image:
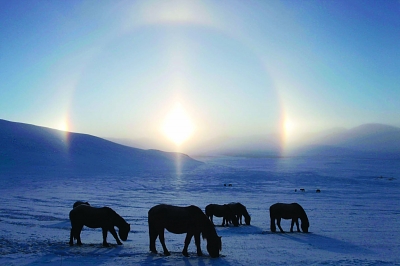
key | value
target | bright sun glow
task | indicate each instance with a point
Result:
(177, 125)
(289, 126)
(63, 126)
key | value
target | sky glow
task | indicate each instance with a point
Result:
(239, 68)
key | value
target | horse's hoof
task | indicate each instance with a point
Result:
(167, 253)
(199, 254)
(106, 245)
(185, 254)
(119, 243)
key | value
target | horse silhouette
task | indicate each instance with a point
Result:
(292, 211)
(104, 218)
(179, 220)
(77, 203)
(223, 211)
(240, 210)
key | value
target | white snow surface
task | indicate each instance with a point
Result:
(353, 221)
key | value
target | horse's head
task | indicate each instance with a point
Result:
(304, 226)
(124, 231)
(247, 220)
(214, 246)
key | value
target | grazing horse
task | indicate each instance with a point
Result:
(240, 210)
(92, 217)
(292, 211)
(179, 220)
(77, 203)
(223, 211)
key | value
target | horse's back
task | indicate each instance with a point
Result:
(285, 210)
(91, 216)
(171, 213)
(237, 207)
(209, 209)
(174, 218)
(77, 203)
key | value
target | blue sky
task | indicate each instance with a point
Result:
(237, 68)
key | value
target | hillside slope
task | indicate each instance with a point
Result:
(33, 149)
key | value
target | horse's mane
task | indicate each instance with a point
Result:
(245, 212)
(119, 219)
(303, 217)
(208, 229)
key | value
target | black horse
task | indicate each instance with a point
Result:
(223, 211)
(292, 211)
(240, 210)
(92, 217)
(77, 203)
(179, 220)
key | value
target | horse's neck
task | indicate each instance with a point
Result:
(119, 221)
(208, 229)
(303, 217)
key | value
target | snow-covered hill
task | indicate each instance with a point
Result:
(28, 148)
(368, 140)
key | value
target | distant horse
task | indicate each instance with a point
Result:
(223, 211)
(104, 218)
(292, 211)
(77, 203)
(179, 220)
(240, 210)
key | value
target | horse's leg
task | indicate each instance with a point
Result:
(187, 242)
(273, 226)
(223, 221)
(153, 234)
(162, 240)
(291, 225)
(197, 242)
(297, 224)
(114, 234)
(104, 230)
(71, 238)
(240, 218)
(77, 233)
(278, 222)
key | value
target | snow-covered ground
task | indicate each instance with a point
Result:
(353, 221)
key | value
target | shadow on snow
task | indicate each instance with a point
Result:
(325, 243)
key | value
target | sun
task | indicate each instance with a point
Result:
(63, 125)
(289, 126)
(177, 125)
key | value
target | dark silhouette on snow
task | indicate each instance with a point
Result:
(104, 218)
(179, 220)
(223, 211)
(292, 211)
(240, 210)
(77, 203)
